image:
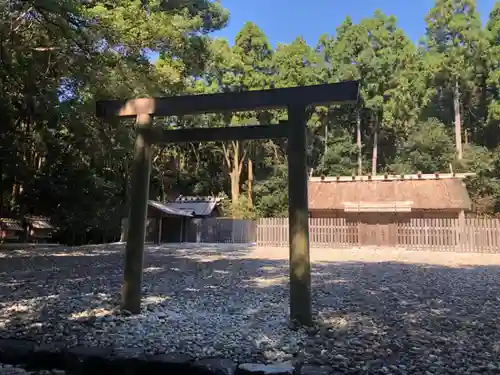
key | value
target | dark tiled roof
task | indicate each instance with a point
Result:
(39, 222)
(167, 208)
(10, 224)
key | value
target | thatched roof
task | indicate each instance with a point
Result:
(425, 194)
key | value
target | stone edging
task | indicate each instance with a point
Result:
(96, 361)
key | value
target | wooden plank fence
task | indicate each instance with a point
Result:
(435, 234)
(221, 230)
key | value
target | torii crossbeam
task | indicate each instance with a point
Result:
(295, 100)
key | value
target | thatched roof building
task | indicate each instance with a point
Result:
(445, 193)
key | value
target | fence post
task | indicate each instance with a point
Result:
(233, 226)
(461, 230)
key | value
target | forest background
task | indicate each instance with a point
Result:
(431, 106)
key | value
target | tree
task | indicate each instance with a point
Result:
(493, 82)
(455, 37)
(374, 51)
(427, 149)
(340, 54)
(382, 59)
(254, 54)
(245, 66)
(296, 64)
(272, 194)
(338, 159)
(58, 58)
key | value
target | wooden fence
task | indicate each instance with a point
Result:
(220, 230)
(435, 234)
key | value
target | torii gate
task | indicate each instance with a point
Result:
(295, 100)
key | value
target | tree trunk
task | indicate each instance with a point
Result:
(125, 198)
(359, 145)
(325, 151)
(250, 182)
(235, 187)
(235, 174)
(1, 186)
(276, 158)
(234, 163)
(163, 192)
(375, 146)
(458, 121)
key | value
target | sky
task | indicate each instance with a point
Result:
(284, 20)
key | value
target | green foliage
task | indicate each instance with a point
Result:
(428, 149)
(339, 157)
(493, 81)
(454, 33)
(58, 57)
(240, 210)
(294, 65)
(458, 45)
(272, 194)
(485, 186)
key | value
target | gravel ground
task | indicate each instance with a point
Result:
(381, 311)
(14, 370)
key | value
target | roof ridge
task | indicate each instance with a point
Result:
(393, 177)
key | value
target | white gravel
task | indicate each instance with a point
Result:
(386, 310)
(15, 370)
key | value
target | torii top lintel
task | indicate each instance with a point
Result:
(335, 93)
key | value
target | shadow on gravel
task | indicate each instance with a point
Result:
(406, 318)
